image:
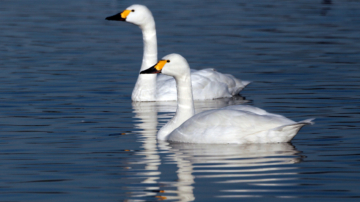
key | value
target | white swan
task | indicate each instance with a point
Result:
(206, 83)
(238, 124)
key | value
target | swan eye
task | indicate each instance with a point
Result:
(132, 10)
(167, 61)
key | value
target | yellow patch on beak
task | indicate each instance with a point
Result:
(125, 13)
(160, 65)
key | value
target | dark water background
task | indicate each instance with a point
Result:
(69, 131)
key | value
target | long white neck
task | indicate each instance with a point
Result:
(145, 87)
(185, 106)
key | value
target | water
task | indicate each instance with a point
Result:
(69, 132)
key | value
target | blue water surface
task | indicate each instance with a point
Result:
(69, 131)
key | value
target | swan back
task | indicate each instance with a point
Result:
(241, 124)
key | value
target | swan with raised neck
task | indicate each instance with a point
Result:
(240, 124)
(178, 68)
(145, 87)
(206, 83)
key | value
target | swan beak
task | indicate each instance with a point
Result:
(120, 16)
(156, 69)
(151, 70)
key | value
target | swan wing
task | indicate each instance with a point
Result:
(227, 125)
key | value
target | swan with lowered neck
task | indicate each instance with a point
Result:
(240, 124)
(206, 83)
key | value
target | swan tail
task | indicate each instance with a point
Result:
(240, 84)
(245, 83)
(296, 125)
(288, 132)
(307, 121)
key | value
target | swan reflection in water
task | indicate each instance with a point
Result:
(256, 164)
(258, 168)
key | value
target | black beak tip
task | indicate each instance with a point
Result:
(151, 70)
(116, 17)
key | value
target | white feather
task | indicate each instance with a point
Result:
(206, 83)
(240, 124)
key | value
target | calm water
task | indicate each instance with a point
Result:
(69, 131)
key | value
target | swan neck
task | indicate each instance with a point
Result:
(150, 47)
(185, 103)
(145, 87)
(185, 106)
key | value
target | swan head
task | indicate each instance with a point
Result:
(137, 14)
(173, 65)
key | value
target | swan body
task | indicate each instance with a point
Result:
(206, 83)
(236, 124)
(239, 124)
